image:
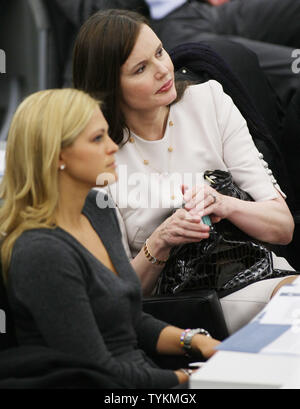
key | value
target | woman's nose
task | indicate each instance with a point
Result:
(112, 147)
(161, 70)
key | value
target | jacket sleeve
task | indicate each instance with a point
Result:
(242, 158)
(148, 331)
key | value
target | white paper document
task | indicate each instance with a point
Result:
(276, 330)
(288, 344)
(284, 308)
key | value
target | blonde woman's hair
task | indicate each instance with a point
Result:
(44, 124)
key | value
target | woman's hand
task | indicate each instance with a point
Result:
(269, 221)
(186, 225)
(169, 343)
(182, 227)
(182, 376)
(206, 345)
(203, 200)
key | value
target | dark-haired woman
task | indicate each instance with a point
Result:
(169, 136)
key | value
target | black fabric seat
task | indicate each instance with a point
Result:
(7, 332)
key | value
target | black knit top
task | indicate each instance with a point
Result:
(65, 298)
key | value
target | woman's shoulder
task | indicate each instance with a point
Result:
(39, 243)
(205, 98)
(36, 248)
(211, 87)
(208, 97)
(53, 252)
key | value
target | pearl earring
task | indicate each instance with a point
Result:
(62, 167)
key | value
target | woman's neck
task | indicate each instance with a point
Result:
(149, 125)
(71, 201)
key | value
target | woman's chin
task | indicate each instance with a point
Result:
(106, 178)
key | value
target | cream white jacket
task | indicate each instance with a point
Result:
(205, 130)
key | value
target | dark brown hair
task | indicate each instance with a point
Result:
(103, 45)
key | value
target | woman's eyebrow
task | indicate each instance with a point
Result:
(98, 131)
(144, 61)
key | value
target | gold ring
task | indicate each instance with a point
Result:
(214, 198)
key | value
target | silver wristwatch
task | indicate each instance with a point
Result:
(189, 336)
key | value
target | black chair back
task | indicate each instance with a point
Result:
(7, 331)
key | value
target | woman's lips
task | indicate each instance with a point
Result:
(112, 165)
(168, 85)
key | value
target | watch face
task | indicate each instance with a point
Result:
(189, 336)
(187, 339)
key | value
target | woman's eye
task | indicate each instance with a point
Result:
(140, 70)
(160, 52)
(98, 138)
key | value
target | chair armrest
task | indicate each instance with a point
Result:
(190, 310)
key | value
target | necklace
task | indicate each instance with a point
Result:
(149, 165)
(147, 162)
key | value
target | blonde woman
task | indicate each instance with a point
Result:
(70, 284)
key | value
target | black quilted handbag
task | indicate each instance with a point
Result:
(227, 261)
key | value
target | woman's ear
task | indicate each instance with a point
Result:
(61, 162)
